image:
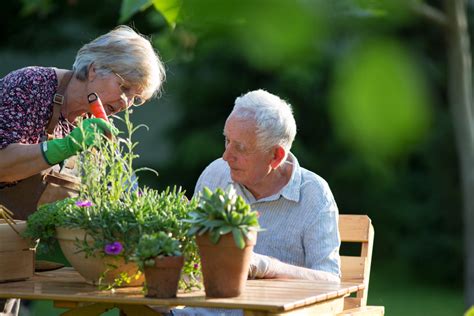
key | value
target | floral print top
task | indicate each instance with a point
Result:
(26, 106)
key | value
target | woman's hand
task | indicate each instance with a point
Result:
(57, 150)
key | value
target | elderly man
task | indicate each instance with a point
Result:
(296, 206)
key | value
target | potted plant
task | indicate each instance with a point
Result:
(159, 257)
(226, 232)
(99, 230)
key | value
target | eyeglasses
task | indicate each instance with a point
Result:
(135, 99)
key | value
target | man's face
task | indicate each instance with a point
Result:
(248, 165)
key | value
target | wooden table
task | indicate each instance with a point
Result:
(261, 297)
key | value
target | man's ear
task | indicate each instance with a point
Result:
(279, 154)
(91, 73)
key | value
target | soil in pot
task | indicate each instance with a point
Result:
(224, 266)
(162, 278)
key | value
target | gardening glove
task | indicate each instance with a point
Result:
(259, 266)
(56, 150)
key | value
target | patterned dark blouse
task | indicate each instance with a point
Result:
(26, 106)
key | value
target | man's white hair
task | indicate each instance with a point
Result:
(273, 118)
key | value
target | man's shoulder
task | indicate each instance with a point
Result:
(313, 180)
(215, 175)
(217, 166)
(315, 189)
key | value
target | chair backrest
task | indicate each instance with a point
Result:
(357, 229)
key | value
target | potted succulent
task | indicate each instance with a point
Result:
(159, 256)
(226, 232)
(100, 229)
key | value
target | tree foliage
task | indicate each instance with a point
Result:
(367, 81)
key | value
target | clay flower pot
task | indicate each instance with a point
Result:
(162, 278)
(93, 268)
(224, 266)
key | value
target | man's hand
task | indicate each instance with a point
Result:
(259, 266)
(57, 150)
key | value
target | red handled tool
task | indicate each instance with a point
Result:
(96, 107)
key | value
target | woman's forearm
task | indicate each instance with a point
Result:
(19, 161)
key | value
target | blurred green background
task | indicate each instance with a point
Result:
(368, 82)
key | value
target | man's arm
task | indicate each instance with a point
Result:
(264, 267)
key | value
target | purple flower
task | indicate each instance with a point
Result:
(114, 248)
(196, 266)
(84, 203)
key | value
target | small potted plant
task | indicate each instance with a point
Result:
(160, 257)
(226, 232)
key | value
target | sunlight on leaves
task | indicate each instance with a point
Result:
(169, 9)
(380, 100)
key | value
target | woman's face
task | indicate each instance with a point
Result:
(116, 95)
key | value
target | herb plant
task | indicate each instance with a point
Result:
(155, 245)
(222, 212)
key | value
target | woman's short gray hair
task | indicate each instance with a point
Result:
(126, 53)
(273, 117)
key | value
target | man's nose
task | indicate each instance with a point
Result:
(227, 154)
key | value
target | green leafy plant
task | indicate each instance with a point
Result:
(222, 212)
(113, 210)
(155, 245)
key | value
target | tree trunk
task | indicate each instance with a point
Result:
(461, 102)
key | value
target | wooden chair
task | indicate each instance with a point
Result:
(357, 229)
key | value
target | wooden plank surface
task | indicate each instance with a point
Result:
(267, 295)
(354, 228)
(353, 268)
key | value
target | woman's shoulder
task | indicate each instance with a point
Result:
(31, 75)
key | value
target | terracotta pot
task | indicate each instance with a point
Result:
(92, 268)
(162, 279)
(224, 266)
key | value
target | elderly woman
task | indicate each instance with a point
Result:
(121, 67)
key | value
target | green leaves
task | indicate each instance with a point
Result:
(155, 245)
(238, 238)
(168, 8)
(130, 7)
(222, 212)
(380, 105)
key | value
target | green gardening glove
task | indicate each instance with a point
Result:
(56, 150)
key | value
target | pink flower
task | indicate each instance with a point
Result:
(114, 248)
(84, 203)
(196, 266)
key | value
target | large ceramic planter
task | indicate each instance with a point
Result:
(17, 255)
(224, 266)
(93, 268)
(162, 278)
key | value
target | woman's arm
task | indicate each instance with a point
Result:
(20, 161)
